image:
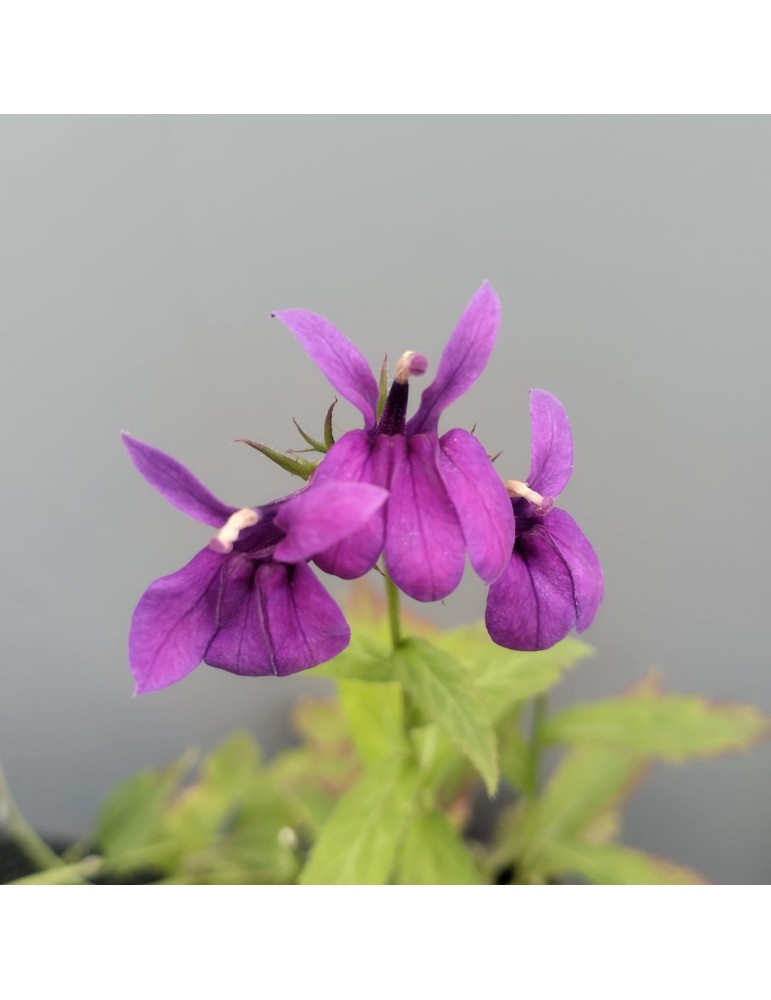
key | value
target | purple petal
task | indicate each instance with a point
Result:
(276, 619)
(176, 483)
(174, 623)
(424, 545)
(324, 515)
(480, 500)
(585, 569)
(551, 444)
(343, 364)
(532, 605)
(462, 361)
(356, 458)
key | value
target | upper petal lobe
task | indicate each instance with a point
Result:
(176, 483)
(463, 359)
(480, 500)
(551, 444)
(343, 364)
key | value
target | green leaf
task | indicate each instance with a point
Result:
(132, 814)
(313, 781)
(358, 843)
(448, 696)
(365, 659)
(320, 722)
(588, 783)
(375, 716)
(612, 864)
(234, 765)
(433, 853)
(674, 727)
(515, 756)
(507, 676)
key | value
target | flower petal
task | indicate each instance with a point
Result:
(174, 623)
(480, 500)
(424, 546)
(531, 606)
(551, 444)
(343, 364)
(176, 483)
(276, 619)
(462, 361)
(585, 569)
(323, 515)
(356, 458)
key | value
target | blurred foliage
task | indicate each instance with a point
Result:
(382, 784)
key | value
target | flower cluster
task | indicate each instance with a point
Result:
(249, 602)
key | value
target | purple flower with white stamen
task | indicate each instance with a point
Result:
(247, 603)
(553, 582)
(444, 496)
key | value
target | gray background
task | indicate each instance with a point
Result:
(141, 257)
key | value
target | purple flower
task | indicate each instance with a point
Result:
(444, 496)
(553, 582)
(248, 603)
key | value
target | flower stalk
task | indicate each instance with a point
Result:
(33, 846)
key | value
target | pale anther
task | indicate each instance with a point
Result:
(230, 530)
(517, 489)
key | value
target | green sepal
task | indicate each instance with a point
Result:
(296, 466)
(329, 437)
(382, 388)
(315, 445)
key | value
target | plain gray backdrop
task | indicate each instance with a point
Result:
(141, 257)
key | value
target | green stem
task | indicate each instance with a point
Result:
(394, 615)
(535, 745)
(25, 837)
(75, 874)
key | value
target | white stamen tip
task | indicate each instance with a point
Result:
(228, 534)
(517, 489)
(410, 363)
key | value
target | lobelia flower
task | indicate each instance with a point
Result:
(553, 581)
(444, 496)
(247, 603)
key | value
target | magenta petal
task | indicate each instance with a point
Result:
(176, 483)
(424, 546)
(480, 500)
(463, 360)
(551, 444)
(343, 364)
(174, 622)
(531, 606)
(585, 569)
(324, 515)
(276, 619)
(356, 458)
